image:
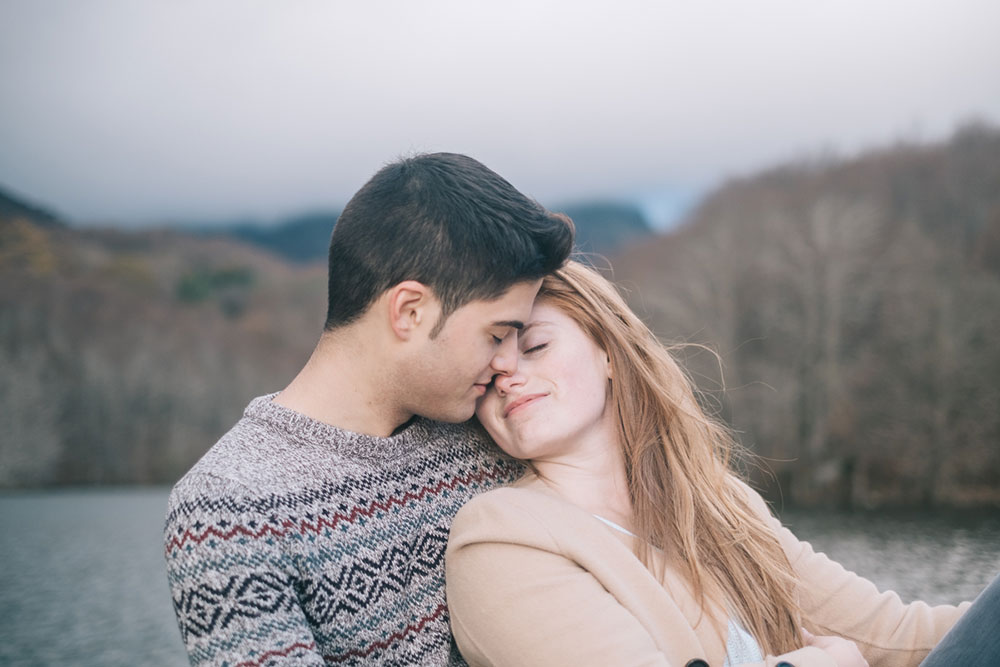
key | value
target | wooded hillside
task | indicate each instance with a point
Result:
(124, 355)
(856, 308)
(855, 305)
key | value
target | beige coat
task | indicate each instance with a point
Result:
(535, 580)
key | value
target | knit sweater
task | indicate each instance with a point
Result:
(293, 541)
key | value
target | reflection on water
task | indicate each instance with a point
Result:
(941, 559)
(82, 580)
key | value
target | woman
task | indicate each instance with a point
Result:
(631, 541)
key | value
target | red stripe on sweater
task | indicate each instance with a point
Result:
(276, 654)
(394, 637)
(306, 527)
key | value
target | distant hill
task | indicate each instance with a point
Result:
(12, 207)
(302, 238)
(602, 227)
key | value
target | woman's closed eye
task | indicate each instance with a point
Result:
(535, 348)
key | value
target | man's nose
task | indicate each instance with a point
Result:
(505, 360)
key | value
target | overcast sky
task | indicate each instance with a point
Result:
(134, 111)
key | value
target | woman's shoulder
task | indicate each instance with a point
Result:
(525, 511)
(528, 495)
(752, 497)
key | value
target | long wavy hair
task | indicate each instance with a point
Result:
(685, 497)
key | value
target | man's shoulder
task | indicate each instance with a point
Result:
(467, 448)
(258, 459)
(470, 432)
(264, 433)
(246, 450)
(254, 458)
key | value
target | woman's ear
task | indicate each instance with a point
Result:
(409, 304)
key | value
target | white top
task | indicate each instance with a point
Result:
(741, 647)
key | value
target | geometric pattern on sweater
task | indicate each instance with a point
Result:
(369, 498)
(292, 542)
(363, 582)
(206, 608)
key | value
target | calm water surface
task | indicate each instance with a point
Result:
(82, 580)
(942, 558)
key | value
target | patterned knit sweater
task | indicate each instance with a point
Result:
(295, 542)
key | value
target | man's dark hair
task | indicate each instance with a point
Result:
(446, 221)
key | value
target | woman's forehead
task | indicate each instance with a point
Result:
(547, 315)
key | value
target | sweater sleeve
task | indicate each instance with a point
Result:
(232, 585)
(836, 601)
(515, 599)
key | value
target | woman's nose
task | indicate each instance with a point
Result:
(505, 382)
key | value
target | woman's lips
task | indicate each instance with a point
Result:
(521, 402)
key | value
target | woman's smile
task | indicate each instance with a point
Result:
(519, 404)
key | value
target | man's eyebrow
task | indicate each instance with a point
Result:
(516, 324)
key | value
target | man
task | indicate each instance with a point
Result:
(315, 529)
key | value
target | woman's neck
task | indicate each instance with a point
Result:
(593, 479)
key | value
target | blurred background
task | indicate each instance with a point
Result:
(812, 190)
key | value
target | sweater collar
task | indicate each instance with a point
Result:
(307, 430)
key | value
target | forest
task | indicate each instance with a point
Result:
(841, 314)
(854, 306)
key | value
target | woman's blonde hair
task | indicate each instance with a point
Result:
(685, 498)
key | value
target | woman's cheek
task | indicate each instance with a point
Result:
(488, 419)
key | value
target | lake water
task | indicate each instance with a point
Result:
(82, 580)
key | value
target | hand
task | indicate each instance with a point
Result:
(843, 651)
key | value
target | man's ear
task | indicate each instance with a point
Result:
(411, 304)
